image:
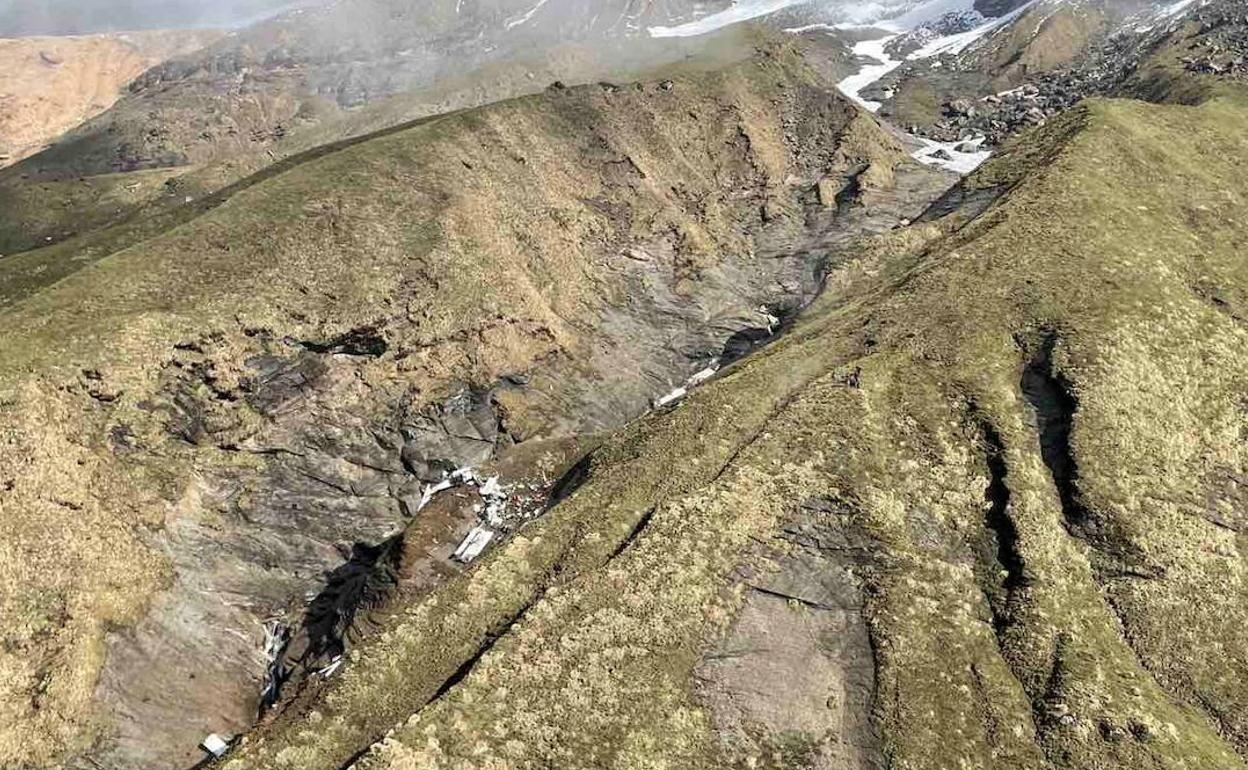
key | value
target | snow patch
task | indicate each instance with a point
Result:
(928, 12)
(943, 154)
(742, 10)
(952, 158)
(853, 85)
(1175, 9)
(896, 16)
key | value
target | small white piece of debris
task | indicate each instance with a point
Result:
(495, 497)
(465, 476)
(772, 321)
(473, 545)
(333, 667)
(491, 488)
(215, 745)
(704, 375)
(431, 491)
(675, 395)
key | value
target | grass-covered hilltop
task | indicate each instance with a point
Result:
(792, 452)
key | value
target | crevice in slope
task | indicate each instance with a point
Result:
(332, 620)
(487, 644)
(1010, 568)
(1054, 404)
(573, 479)
(1114, 556)
(634, 533)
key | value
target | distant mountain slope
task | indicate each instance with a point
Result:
(314, 77)
(259, 84)
(53, 84)
(1054, 53)
(29, 18)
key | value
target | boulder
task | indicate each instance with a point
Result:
(829, 188)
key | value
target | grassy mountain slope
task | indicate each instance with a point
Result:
(172, 378)
(1008, 451)
(199, 131)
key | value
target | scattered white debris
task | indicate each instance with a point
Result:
(491, 487)
(696, 379)
(276, 638)
(332, 668)
(772, 321)
(495, 498)
(700, 377)
(674, 396)
(473, 545)
(215, 745)
(492, 511)
(431, 491)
